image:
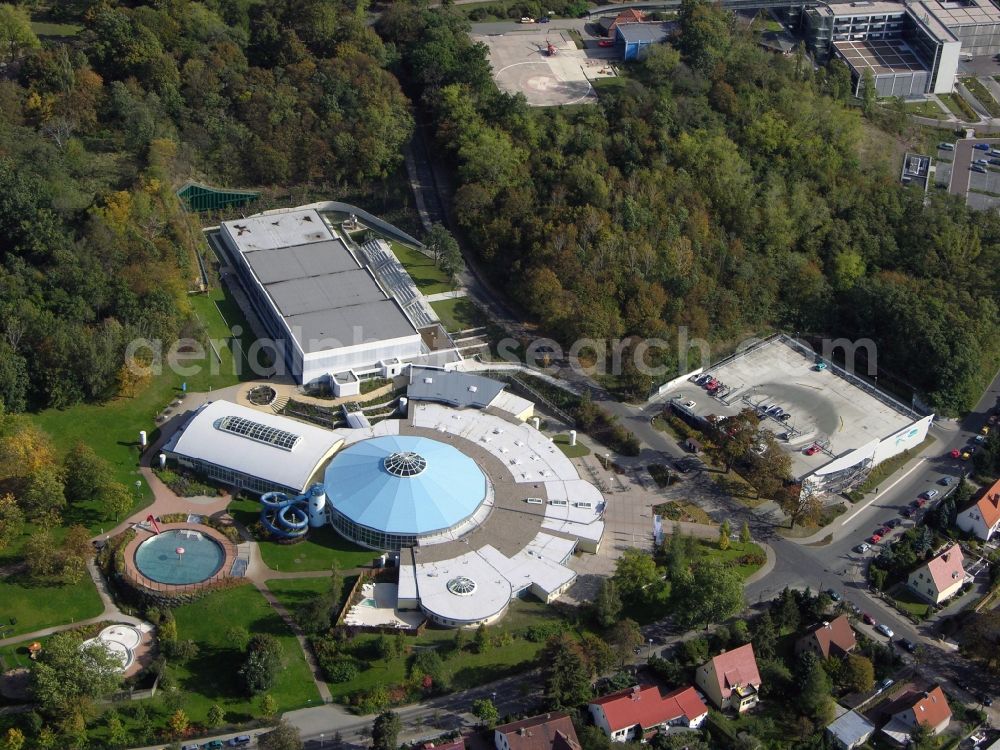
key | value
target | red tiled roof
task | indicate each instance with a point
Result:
(989, 505)
(736, 667)
(836, 633)
(946, 568)
(643, 705)
(930, 708)
(455, 744)
(630, 16)
(553, 731)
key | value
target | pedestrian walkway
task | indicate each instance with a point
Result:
(111, 613)
(455, 294)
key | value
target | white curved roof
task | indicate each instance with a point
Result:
(204, 438)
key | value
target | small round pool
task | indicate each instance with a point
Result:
(157, 557)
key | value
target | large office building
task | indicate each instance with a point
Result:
(325, 310)
(910, 49)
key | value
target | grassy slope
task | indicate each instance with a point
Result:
(37, 607)
(429, 278)
(211, 677)
(296, 592)
(458, 314)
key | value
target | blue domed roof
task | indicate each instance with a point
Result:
(404, 484)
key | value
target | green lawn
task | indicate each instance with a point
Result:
(959, 107)
(909, 603)
(983, 96)
(295, 592)
(709, 551)
(323, 547)
(429, 278)
(458, 314)
(211, 676)
(466, 670)
(220, 313)
(37, 607)
(46, 29)
(112, 428)
(575, 451)
(924, 109)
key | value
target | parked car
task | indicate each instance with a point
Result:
(885, 685)
(875, 538)
(978, 168)
(606, 43)
(929, 494)
(984, 162)
(947, 481)
(785, 417)
(982, 146)
(919, 502)
(713, 386)
(244, 739)
(985, 430)
(907, 512)
(995, 162)
(892, 523)
(529, 19)
(191, 746)
(884, 630)
(812, 450)
(212, 745)
(862, 548)
(946, 146)
(979, 439)
(543, 19)
(906, 644)
(868, 618)
(966, 454)
(985, 700)
(956, 453)
(833, 595)
(883, 531)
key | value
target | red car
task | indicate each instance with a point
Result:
(606, 43)
(956, 453)
(875, 538)
(883, 530)
(919, 502)
(812, 450)
(868, 618)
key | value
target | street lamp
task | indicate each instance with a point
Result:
(322, 741)
(650, 654)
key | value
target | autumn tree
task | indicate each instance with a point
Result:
(724, 531)
(565, 672)
(607, 605)
(11, 520)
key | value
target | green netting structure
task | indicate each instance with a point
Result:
(200, 197)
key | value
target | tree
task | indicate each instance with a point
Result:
(736, 436)
(11, 520)
(86, 473)
(68, 675)
(815, 687)
(14, 739)
(438, 240)
(178, 723)
(857, 673)
(216, 716)
(565, 672)
(745, 536)
(636, 575)
(868, 93)
(268, 706)
(599, 654)
(43, 490)
(627, 637)
(385, 731)
(724, 531)
(798, 504)
(482, 641)
(708, 594)
(765, 636)
(263, 659)
(16, 35)
(116, 500)
(607, 606)
(118, 734)
(282, 737)
(788, 610)
(769, 469)
(484, 710)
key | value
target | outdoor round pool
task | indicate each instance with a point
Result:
(159, 558)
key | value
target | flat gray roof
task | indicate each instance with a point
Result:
(825, 406)
(328, 300)
(644, 32)
(450, 387)
(299, 261)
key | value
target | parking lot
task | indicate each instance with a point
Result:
(522, 63)
(980, 190)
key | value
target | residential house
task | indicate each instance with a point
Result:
(636, 712)
(915, 708)
(456, 744)
(849, 730)
(983, 518)
(939, 578)
(731, 679)
(608, 24)
(834, 638)
(552, 731)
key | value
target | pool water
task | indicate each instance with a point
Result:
(157, 558)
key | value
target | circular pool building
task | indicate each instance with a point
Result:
(399, 491)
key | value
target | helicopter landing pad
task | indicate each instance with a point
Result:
(522, 64)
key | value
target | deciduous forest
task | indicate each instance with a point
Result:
(717, 187)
